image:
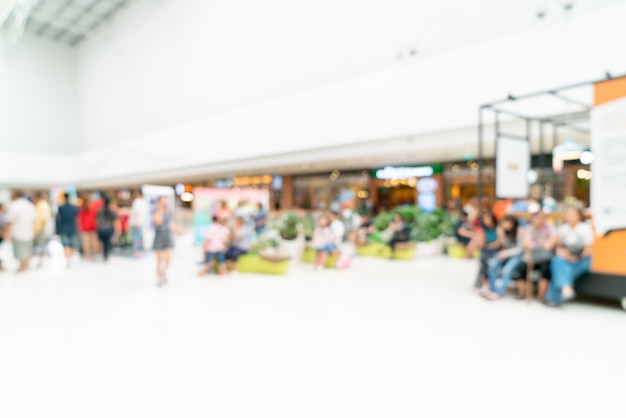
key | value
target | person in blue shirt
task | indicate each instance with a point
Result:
(67, 227)
(260, 219)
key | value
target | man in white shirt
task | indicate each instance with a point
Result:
(20, 228)
(138, 221)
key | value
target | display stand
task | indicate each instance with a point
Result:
(572, 108)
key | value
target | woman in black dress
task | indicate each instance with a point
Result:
(163, 239)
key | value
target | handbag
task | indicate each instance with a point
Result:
(540, 255)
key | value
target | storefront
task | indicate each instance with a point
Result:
(461, 180)
(407, 185)
(334, 191)
(272, 183)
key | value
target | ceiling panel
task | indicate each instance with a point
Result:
(71, 21)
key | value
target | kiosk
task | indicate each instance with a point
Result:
(593, 111)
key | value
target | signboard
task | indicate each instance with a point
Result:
(405, 172)
(512, 166)
(608, 144)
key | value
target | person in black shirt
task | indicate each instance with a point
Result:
(67, 227)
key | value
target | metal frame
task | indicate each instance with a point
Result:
(604, 286)
(569, 121)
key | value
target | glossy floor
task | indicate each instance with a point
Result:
(384, 339)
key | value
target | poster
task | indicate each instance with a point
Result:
(608, 184)
(512, 166)
(207, 201)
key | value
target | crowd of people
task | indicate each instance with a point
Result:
(508, 252)
(230, 236)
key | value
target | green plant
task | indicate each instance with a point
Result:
(289, 225)
(382, 220)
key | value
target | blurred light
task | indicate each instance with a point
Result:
(186, 197)
(474, 166)
(395, 173)
(362, 194)
(584, 174)
(456, 168)
(532, 177)
(586, 157)
(180, 189)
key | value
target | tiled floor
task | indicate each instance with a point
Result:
(385, 339)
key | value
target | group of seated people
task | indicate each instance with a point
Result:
(331, 231)
(560, 256)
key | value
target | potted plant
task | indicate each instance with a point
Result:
(290, 229)
(427, 230)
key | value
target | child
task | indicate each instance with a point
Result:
(323, 242)
(215, 246)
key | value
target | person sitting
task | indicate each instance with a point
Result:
(507, 259)
(324, 243)
(401, 233)
(339, 231)
(540, 239)
(573, 257)
(489, 243)
(365, 230)
(241, 234)
(466, 235)
(215, 246)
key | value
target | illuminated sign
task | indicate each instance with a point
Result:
(402, 173)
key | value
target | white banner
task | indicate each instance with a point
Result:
(512, 166)
(608, 185)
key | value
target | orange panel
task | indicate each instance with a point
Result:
(609, 90)
(609, 254)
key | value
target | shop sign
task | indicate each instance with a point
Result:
(403, 173)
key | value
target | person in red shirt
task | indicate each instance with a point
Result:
(87, 223)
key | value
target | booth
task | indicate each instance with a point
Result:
(583, 123)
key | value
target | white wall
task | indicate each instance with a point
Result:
(38, 98)
(143, 107)
(176, 85)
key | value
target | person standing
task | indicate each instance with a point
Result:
(67, 227)
(20, 228)
(3, 223)
(260, 219)
(105, 220)
(163, 239)
(138, 221)
(87, 221)
(42, 225)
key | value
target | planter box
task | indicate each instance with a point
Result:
(249, 263)
(458, 251)
(309, 254)
(383, 251)
(429, 249)
(293, 248)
